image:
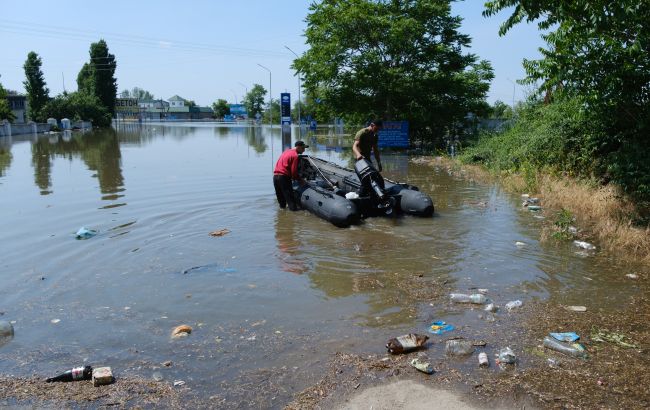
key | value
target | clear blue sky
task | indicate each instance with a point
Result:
(204, 50)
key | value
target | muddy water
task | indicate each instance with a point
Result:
(274, 298)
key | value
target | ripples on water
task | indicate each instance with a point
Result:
(278, 285)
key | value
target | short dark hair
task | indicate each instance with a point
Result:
(378, 123)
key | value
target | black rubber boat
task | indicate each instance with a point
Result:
(344, 196)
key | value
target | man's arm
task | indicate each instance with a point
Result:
(356, 151)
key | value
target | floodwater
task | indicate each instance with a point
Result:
(271, 300)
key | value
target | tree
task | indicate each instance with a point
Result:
(97, 77)
(274, 109)
(392, 59)
(85, 79)
(254, 100)
(190, 103)
(138, 93)
(599, 55)
(5, 109)
(220, 108)
(78, 106)
(37, 92)
(500, 110)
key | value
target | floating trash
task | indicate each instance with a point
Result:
(85, 233)
(439, 327)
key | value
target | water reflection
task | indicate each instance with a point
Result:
(100, 151)
(5, 157)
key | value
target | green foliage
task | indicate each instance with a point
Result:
(254, 100)
(274, 110)
(500, 110)
(563, 223)
(97, 77)
(37, 92)
(599, 55)
(220, 108)
(78, 106)
(5, 110)
(392, 59)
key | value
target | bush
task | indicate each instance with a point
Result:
(78, 106)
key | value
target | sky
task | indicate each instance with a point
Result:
(204, 50)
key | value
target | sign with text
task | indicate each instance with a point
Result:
(238, 110)
(394, 134)
(285, 109)
(129, 105)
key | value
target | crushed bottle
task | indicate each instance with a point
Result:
(507, 356)
(406, 343)
(459, 347)
(514, 304)
(569, 349)
(424, 367)
(475, 298)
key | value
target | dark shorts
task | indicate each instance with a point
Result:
(284, 192)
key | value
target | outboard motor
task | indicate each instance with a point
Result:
(372, 184)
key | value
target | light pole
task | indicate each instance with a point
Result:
(243, 85)
(299, 93)
(270, 98)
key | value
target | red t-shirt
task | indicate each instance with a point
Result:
(287, 164)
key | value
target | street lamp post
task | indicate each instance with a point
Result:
(246, 88)
(299, 93)
(270, 96)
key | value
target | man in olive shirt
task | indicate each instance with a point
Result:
(365, 143)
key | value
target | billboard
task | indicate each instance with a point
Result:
(394, 134)
(127, 105)
(285, 109)
(238, 110)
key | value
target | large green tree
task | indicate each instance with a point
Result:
(5, 109)
(392, 59)
(220, 108)
(37, 92)
(78, 106)
(598, 53)
(97, 77)
(254, 100)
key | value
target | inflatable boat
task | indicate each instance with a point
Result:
(344, 196)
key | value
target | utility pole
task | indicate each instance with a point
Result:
(513, 94)
(299, 93)
(63, 78)
(270, 97)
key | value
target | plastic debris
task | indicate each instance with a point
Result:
(459, 347)
(439, 327)
(565, 336)
(483, 360)
(102, 376)
(85, 233)
(178, 383)
(576, 308)
(507, 356)
(514, 304)
(584, 245)
(406, 343)
(482, 291)
(220, 232)
(424, 367)
(632, 276)
(157, 376)
(351, 195)
(181, 331)
(573, 349)
(604, 335)
(520, 244)
(475, 298)
(491, 307)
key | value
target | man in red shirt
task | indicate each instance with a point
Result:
(286, 170)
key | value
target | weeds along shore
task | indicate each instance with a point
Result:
(600, 213)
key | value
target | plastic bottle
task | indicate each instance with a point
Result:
(573, 349)
(483, 360)
(506, 355)
(475, 298)
(406, 343)
(514, 304)
(459, 347)
(77, 373)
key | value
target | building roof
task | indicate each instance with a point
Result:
(176, 98)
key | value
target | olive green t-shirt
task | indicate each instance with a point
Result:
(366, 140)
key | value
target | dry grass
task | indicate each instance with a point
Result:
(601, 212)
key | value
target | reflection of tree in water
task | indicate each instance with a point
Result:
(5, 159)
(255, 139)
(100, 150)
